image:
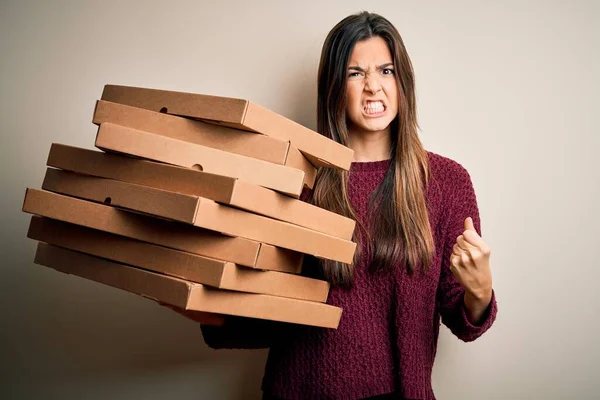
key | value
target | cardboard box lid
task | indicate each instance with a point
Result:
(237, 113)
(223, 138)
(219, 188)
(219, 137)
(137, 143)
(200, 212)
(161, 232)
(184, 294)
(179, 264)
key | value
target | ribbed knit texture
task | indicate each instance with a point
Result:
(387, 337)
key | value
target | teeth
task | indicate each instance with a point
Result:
(374, 107)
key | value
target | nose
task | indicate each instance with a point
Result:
(372, 84)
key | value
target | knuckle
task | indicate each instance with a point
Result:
(476, 255)
(454, 261)
(465, 259)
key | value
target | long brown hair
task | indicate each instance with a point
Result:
(400, 232)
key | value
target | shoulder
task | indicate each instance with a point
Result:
(447, 173)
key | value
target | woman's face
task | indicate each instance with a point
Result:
(371, 88)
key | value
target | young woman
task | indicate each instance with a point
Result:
(421, 258)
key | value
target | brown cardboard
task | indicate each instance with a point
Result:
(161, 232)
(191, 267)
(200, 212)
(184, 294)
(221, 189)
(177, 152)
(223, 138)
(236, 113)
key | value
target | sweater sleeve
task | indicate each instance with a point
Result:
(463, 204)
(243, 333)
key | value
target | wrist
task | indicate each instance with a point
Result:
(478, 297)
(476, 305)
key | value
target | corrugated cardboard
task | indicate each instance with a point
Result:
(177, 152)
(200, 212)
(219, 137)
(161, 232)
(191, 267)
(221, 189)
(187, 295)
(236, 113)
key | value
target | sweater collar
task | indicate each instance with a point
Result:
(370, 166)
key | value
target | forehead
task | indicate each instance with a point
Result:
(373, 51)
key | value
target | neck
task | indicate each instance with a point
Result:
(370, 146)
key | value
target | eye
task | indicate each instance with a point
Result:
(354, 74)
(388, 71)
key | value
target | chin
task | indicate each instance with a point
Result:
(375, 127)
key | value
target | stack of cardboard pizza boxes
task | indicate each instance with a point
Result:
(194, 201)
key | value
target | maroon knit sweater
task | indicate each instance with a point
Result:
(387, 337)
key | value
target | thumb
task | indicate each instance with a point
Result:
(469, 224)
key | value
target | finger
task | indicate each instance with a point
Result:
(456, 266)
(473, 238)
(458, 260)
(456, 251)
(464, 245)
(470, 253)
(465, 258)
(469, 224)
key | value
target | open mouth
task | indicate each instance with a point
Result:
(374, 107)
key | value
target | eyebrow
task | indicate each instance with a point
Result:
(357, 68)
